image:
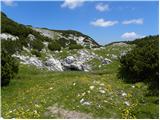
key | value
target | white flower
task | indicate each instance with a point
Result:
(83, 94)
(89, 91)
(91, 87)
(74, 84)
(133, 86)
(124, 94)
(50, 88)
(37, 105)
(10, 111)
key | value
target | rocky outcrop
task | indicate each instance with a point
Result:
(77, 62)
(53, 65)
(5, 36)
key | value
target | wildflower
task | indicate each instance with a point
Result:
(91, 87)
(50, 88)
(133, 86)
(124, 94)
(83, 94)
(74, 84)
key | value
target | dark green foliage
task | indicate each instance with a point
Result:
(142, 63)
(36, 53)
(62, 42)
(53, 46)
(75, 46)
(22, 31)
(10, 46)
(9, 67)
(38, 45)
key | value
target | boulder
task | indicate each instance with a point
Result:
(53, 64)
(69, 59)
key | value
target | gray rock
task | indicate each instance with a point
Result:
(53, 64)
(106, 61)
(31, 37)
(6, 36)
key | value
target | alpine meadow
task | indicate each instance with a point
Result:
(77, 59)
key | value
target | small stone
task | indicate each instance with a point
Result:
(86, 103)
(127, 103)
(102, 91)
(81, 101)
(102, 84)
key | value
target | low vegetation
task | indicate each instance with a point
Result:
(142, 63)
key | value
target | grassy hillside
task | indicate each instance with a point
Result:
(33, 91)
(99, 94)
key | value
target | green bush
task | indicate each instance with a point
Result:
(142, 63)
(62, 42)
(36, 53)
(53, 46)
(75, 46)
(10, 46)
(9, 67)
(37, 44)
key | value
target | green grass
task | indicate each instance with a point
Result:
(32, 91)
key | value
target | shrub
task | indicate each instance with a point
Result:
(9, 67)
(142, 63)
(37, 44)
(36, 53)
(75, 46)
(10, 46)
(53, 46)
(62, 42)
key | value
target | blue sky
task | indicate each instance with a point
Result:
(104, 21)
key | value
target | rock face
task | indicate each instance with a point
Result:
(77, 62)
(78, 37)
(73, 63)
(53, 64)
(119, 44)
(6, 36)
(50, 64)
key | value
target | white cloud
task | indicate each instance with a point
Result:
(9, 2)
(72, 4)
(102, 7)
(131, 36)
(133, 21)
(103, 23)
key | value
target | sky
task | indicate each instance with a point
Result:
(104, 21)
